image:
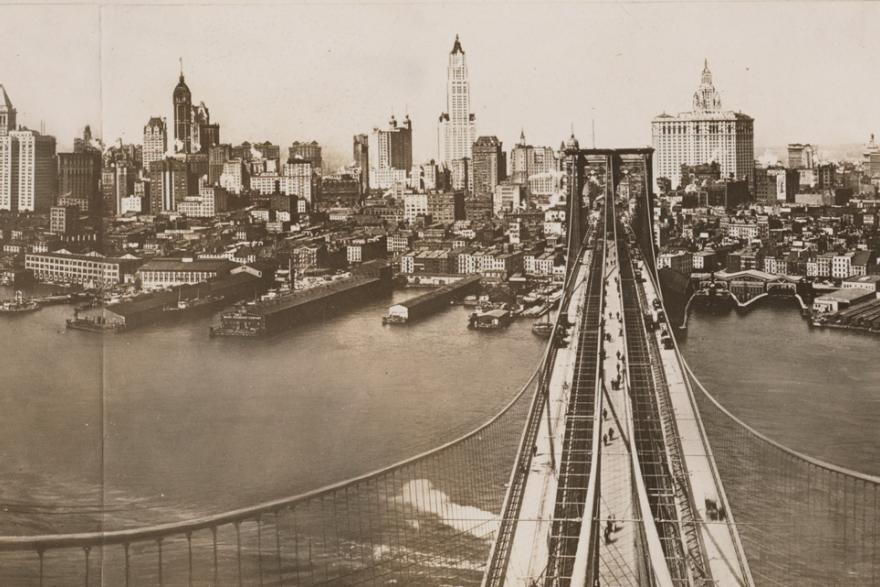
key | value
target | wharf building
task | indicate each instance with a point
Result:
(63, 266)
(164, 273)
(705, 134)
(456, 129)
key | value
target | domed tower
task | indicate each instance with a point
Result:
(183, 113)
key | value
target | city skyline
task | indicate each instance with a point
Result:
(116, 84)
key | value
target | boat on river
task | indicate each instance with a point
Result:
(18, 305)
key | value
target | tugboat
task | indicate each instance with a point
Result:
(18, 305)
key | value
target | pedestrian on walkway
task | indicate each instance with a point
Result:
(605, 439)
(604, 413)
(611, 432)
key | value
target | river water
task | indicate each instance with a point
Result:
(814, 390)
(193, 425)
(196, 425)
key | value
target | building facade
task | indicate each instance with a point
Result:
(183, 114)
(704, 135)
(457, 126)
(79, 179)
(28, 171)
(489, 165)
(361, 159)
(155, 141)
(310, 152)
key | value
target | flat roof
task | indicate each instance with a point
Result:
(846, 295)
(194, 265)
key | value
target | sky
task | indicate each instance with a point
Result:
(807, 72)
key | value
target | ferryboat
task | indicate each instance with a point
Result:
(489, 320)
(18, 305)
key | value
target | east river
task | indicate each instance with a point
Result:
(193, 425)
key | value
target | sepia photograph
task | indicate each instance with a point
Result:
(502, 293)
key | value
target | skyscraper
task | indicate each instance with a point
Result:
(7, 113)
(704, 135)
(28, 171)
(361, 157)
(79, 179)
(310, 152)
(457, 129)
(155, 141)
(183, 116)
(489, 165)
(390, 153)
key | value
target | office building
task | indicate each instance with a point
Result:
(705, 134)
(169, 184)
(489, 165)
(218, 155)
(361, 158)
(390, 153)
(183, 114)
(28, 171)
(457, 126)
(310, 152)
(155, 141)
(63, 219)
(7, 113)
(79, 179)
(801, 156)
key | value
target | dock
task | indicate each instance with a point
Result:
(422, 305)
(277, 314)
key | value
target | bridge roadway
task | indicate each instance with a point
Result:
(635, 445)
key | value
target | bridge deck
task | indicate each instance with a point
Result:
(529, 551)
(617, 554)
(719, 537)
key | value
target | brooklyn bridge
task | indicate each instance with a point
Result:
(611, 465)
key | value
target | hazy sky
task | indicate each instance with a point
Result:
(807, 72)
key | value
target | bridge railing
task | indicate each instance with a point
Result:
(799, 520)
(427, 520)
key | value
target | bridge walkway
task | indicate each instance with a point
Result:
(617, 552)
(719, 536)
(529, 551)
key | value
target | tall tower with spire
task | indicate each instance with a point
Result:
(457, 128)
(705, 134)
(183, 115)
(7, 113)
(706, 98)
